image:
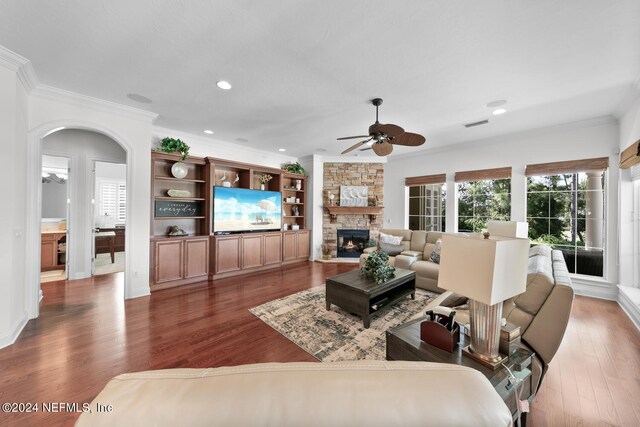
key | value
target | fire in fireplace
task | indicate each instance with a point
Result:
(351, 243)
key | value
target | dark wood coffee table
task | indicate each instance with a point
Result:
(404, 343)
(356, 294)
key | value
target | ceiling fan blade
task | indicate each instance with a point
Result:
(365, 149)
(409, 139)
(353, 137)
(382, 148)
(356, 145)
(391, 130)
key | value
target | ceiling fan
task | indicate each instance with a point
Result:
(384, 136)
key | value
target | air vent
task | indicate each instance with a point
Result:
(482, 122)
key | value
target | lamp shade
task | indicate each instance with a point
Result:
(508, 229)
(486, 270)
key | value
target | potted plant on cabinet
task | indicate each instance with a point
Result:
(293, 168)
(176, 146)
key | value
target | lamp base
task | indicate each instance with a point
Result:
(489, 362)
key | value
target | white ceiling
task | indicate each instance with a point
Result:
(303, 71)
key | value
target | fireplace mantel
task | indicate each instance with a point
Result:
(372, 211)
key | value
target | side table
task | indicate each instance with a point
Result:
(404, 343)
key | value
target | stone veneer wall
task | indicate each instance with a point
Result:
(337, 174)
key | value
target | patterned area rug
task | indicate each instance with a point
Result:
(336, 335)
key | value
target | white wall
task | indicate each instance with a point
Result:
(202, 146)
(589, 139)
(82, 147)
(13, 128)
(629, 133)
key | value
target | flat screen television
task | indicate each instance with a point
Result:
(241, 210)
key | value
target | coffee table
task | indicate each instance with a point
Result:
(356, 294)
(404, 343)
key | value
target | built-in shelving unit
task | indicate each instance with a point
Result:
(201, 255)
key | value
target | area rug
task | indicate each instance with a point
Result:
(336, 335)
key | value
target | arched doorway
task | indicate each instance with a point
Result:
(34, 203)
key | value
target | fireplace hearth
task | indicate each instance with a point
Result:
(351, 243)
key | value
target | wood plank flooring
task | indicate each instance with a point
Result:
(86, 334)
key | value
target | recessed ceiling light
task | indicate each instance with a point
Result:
(282, 149)
(139, 98)
(242, 140)
(499, 111)
(208, 132)
(496, 103)
(223, 84)
(321, 150)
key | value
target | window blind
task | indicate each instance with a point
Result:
(483, 174)
(425, 179)
(570, 166)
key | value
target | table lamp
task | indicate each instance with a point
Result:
(488, 271)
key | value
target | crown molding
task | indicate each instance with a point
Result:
(21, 66)
(498, 139)
(85, 101)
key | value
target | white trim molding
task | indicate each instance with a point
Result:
(22, 67)
(89, 102)
(594, 288)
(629, 301)
(17, 328)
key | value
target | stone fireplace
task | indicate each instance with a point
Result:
(359, 174)
(351, 243)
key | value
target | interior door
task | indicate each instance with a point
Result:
(93, 217)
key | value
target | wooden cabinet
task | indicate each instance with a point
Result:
(52, 251)
(295, 245)
(242, 253)
(179, 261)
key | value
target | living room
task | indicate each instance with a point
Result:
(303, 76)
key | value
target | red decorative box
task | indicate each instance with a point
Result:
(439, 336)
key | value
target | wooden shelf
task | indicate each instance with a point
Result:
(170, 178)
(195, 199)
(292, 203)
(293, 216)
(293, 189)
(372, 211)
(178, 217)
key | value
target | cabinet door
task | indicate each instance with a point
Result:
(252, 251)
(196, 257)
(227, 254)
(289, 250)
(272, 248)
(303, 244)
(168, 260)
(48, 252)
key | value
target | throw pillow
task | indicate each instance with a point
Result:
(391, 250)
(454, 300)
(392, 240)
(435, 255)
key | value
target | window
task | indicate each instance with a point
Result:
(427, 207)
(565, 209)
(482, 200)
(112, 199)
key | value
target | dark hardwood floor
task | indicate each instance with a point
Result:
(86, 334)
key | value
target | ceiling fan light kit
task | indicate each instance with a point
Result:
(382, 137)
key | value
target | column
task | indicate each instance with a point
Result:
(594, 201)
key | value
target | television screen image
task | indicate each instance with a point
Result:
(239, 209)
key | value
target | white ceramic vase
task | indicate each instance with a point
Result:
(179, 170)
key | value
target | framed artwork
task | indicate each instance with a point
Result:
(354, 195)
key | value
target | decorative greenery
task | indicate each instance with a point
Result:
(174, 146)
(293, 168)
(371, 243)
(264, 178)
(376, 267)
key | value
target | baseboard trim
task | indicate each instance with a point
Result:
(601, 292)
(9, 339)
(631, 308)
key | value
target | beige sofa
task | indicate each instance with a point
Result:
(542, 311)
(418, 248)
(362, 393)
